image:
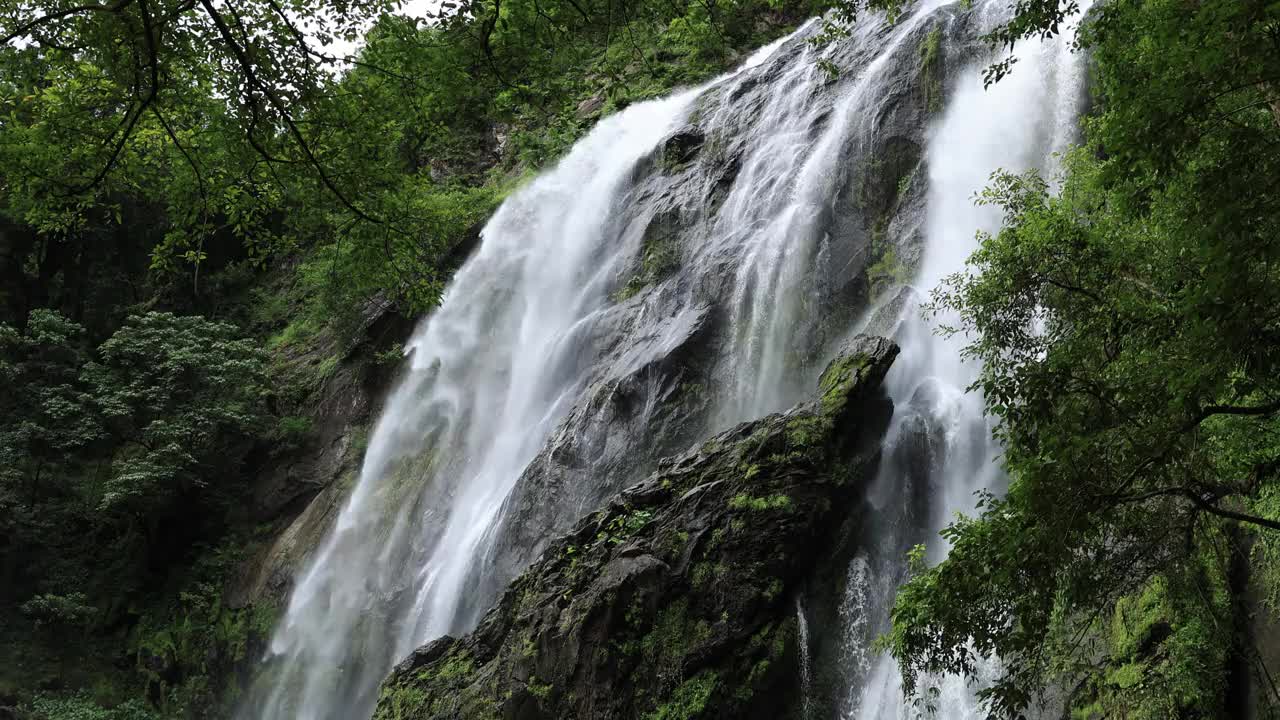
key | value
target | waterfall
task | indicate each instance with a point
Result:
(691, 263)
(940, 451)
(490, 375)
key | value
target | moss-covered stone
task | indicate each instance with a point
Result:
(672, 603)
(1167, 649)
(931, 70)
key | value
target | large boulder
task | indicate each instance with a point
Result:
(677, 599)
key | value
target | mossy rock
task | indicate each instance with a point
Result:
(674, 602)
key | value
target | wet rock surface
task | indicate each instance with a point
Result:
(660, 361)
(677, 599)
(300, 491)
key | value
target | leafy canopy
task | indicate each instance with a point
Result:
(105, 447)
(1127, 330)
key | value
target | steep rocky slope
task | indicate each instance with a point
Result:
(677, 596)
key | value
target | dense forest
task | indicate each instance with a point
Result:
(217, 230)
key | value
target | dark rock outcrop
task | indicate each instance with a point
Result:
(682, 146)
(675, 600)
(299, 491)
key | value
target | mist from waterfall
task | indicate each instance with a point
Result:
(533, 327)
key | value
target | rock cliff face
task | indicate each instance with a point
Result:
(665, 354)
(300, 492)
(677, 599)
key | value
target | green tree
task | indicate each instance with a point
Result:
(48, 410)
(113, 459)
(182, 399)
(1128, 336)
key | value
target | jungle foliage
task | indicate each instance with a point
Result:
(1125, 318)
(200, 195)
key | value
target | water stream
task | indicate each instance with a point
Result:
(939, 451)
(534, 342)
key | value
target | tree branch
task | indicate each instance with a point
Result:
(27, 27)
(251, 76)
(1201, 503)
(135, 113)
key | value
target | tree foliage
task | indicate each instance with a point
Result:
(103, 451)
(1128, 336)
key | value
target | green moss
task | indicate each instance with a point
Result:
(904, 185)
(1166, 651)
(695, 390)
(776, 501)
(459, 666)
(538, 689)
(764, 650)
(707, 574)
(659, 258)
(689, 700)
(360, 439)
(674, 543)
(528, 648)
(632, 288)
(843, 371)
(444, 684)
(300, 332)
(674, 636)
(930, 70)
(887, 271)
(292, 425)
(400, 702)
(807, 431)
(323, 370)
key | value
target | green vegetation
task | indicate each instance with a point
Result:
(760, 504)
(116, 462)
(659, 257)
(1127, 330)
(930, 72)
(689, 700)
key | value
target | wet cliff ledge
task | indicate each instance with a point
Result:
(676, 600)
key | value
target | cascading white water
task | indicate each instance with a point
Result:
(491, 373)
(940, 444)
(526, 324)
(780, 211)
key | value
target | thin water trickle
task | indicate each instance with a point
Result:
(806, 661)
